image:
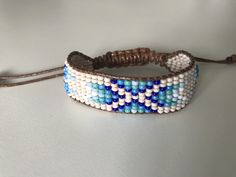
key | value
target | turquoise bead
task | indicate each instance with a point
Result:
(181, 85)
(107, 92)
(95, 85)
(176, 86)
(168, 100)
(142, 87)
(168, 92)
(134, 87)
(108, 96)
(162, 98)
(142, 83)
(127, 83)
(169, 96)
(120, 82)
(141, 110)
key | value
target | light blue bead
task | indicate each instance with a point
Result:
(168, 100)
(174, 99)
(181, 85)
(128, 87)
(141, 110)
(169, 96)
(173, 104)
(120, 82)
(101, 87)
(107, 92)
(108, 96)
(149, 83)
(134, 83)
(167, 104)
(134, 87)
(142, 87)
(115, 96)
(155, 97)
(89, 84)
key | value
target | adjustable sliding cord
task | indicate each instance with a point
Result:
(229, 60)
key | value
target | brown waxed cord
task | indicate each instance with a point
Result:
(229, 60)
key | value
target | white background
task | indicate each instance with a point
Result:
(43, 133)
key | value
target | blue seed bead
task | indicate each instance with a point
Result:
(115, 99)
(134, 100)
(121, 109)
(148, 97)
(127, 110)
(95, 85)
(134, 87)
(127, 83)
(114, 92)
(149, 87)
(175, 86)
(161, 104)
(140, 104)
(101, 95)
(154, 101)
(102, 100)
(168, 100)
(181, 85)
(168, 96)
(108, 87)
(155, 93)
(167, 104)
(149, 83)
(113, 81)
(121, 86)
(127, 103)
(155, 97)
(108, 101)
(115, 96)
(162, 88)
(134, 105)
(134, 93)
(174, 99)
(161, 97)
(153, 111)
(173, 104)
(134, 83)
(95, 98)
(161, 93)
(120, 82)
(142, 83)
(122, 96)
(141, 107)
(168, 92)
(115, 109)
(169, 88)
(142, 87)
(121, 106)
(142, 90)
(157, 82)
(128, 89)
(141, 110)
(108, 92)
(101, 87)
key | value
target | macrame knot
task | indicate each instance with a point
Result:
(231, 59)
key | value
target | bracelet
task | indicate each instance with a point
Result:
(84, 83)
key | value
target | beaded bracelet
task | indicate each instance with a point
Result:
(160, 94)
(85, 83)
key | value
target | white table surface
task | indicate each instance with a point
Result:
(43, 133)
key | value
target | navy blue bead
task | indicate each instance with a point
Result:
(147, 107)
(115, 109)
(128, 89)
(121, 106)
(169, 88)
(157, 82)
(115, 99)
(142, 90)
(149, 87)
(148, 97)
(153, 110)
(162, 88)
(134, 93)
(155, 93)
(134, 100)
(121, 96)
(108, 87)
(109, 102)
(113, 81)
(160, 104)
(114, 92)
(127, 103)
(141, 104)
(154, 101)
(121, 86)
